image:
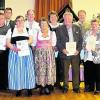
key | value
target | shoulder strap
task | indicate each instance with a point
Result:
(27, 29)
(12, 29)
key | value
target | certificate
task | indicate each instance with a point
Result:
(24, 48)
(2, 42)
(91, 43)
(71, 48)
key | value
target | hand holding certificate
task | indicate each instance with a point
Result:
(71, 48)
(24, 48)
(2, 42)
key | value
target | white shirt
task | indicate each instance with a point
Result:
(35, 25)
(53, 37)
(16, 33)
(70, 34)
(7, 22)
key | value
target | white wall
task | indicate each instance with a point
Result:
(19, 6)
(91, 7)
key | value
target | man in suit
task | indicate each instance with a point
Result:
(66, 33)
(3, 56)
(8, 14)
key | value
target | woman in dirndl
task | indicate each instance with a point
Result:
(45, 67)
(21, 73)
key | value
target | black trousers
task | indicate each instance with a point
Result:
(97, 77)
(89, 75)
(3, 70)
(59, 69)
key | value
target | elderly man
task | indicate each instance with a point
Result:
(69, 33)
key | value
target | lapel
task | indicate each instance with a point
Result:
(74, 32)
(10, 22)
(65, 32)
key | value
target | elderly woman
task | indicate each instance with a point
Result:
(92, 57)
(20, 67)
(45, 40)
(96, 58)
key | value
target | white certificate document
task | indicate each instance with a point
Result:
(2, 42)
(24, 48)
(71, 48)
(91, 43)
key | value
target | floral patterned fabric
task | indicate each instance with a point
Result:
(45, 66)
(95, 55)
(45, 62)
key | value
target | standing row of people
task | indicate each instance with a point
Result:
(23, 71)
(45, 40)
(90, 52)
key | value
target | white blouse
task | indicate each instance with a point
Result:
(55, 26)
(16, 33)
(53, 37)
(88, 53)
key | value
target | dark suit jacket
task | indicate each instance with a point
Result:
(11, 24)
(62, 38)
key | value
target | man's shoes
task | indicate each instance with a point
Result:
(88, 90)
(76, 90)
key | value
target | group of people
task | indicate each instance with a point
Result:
(39, 54)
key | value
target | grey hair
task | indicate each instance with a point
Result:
(67, 13)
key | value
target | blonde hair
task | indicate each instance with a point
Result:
(82, 11)
(30, 10)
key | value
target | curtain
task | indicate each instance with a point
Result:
(43, 7)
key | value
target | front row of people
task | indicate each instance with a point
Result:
(24, 72)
